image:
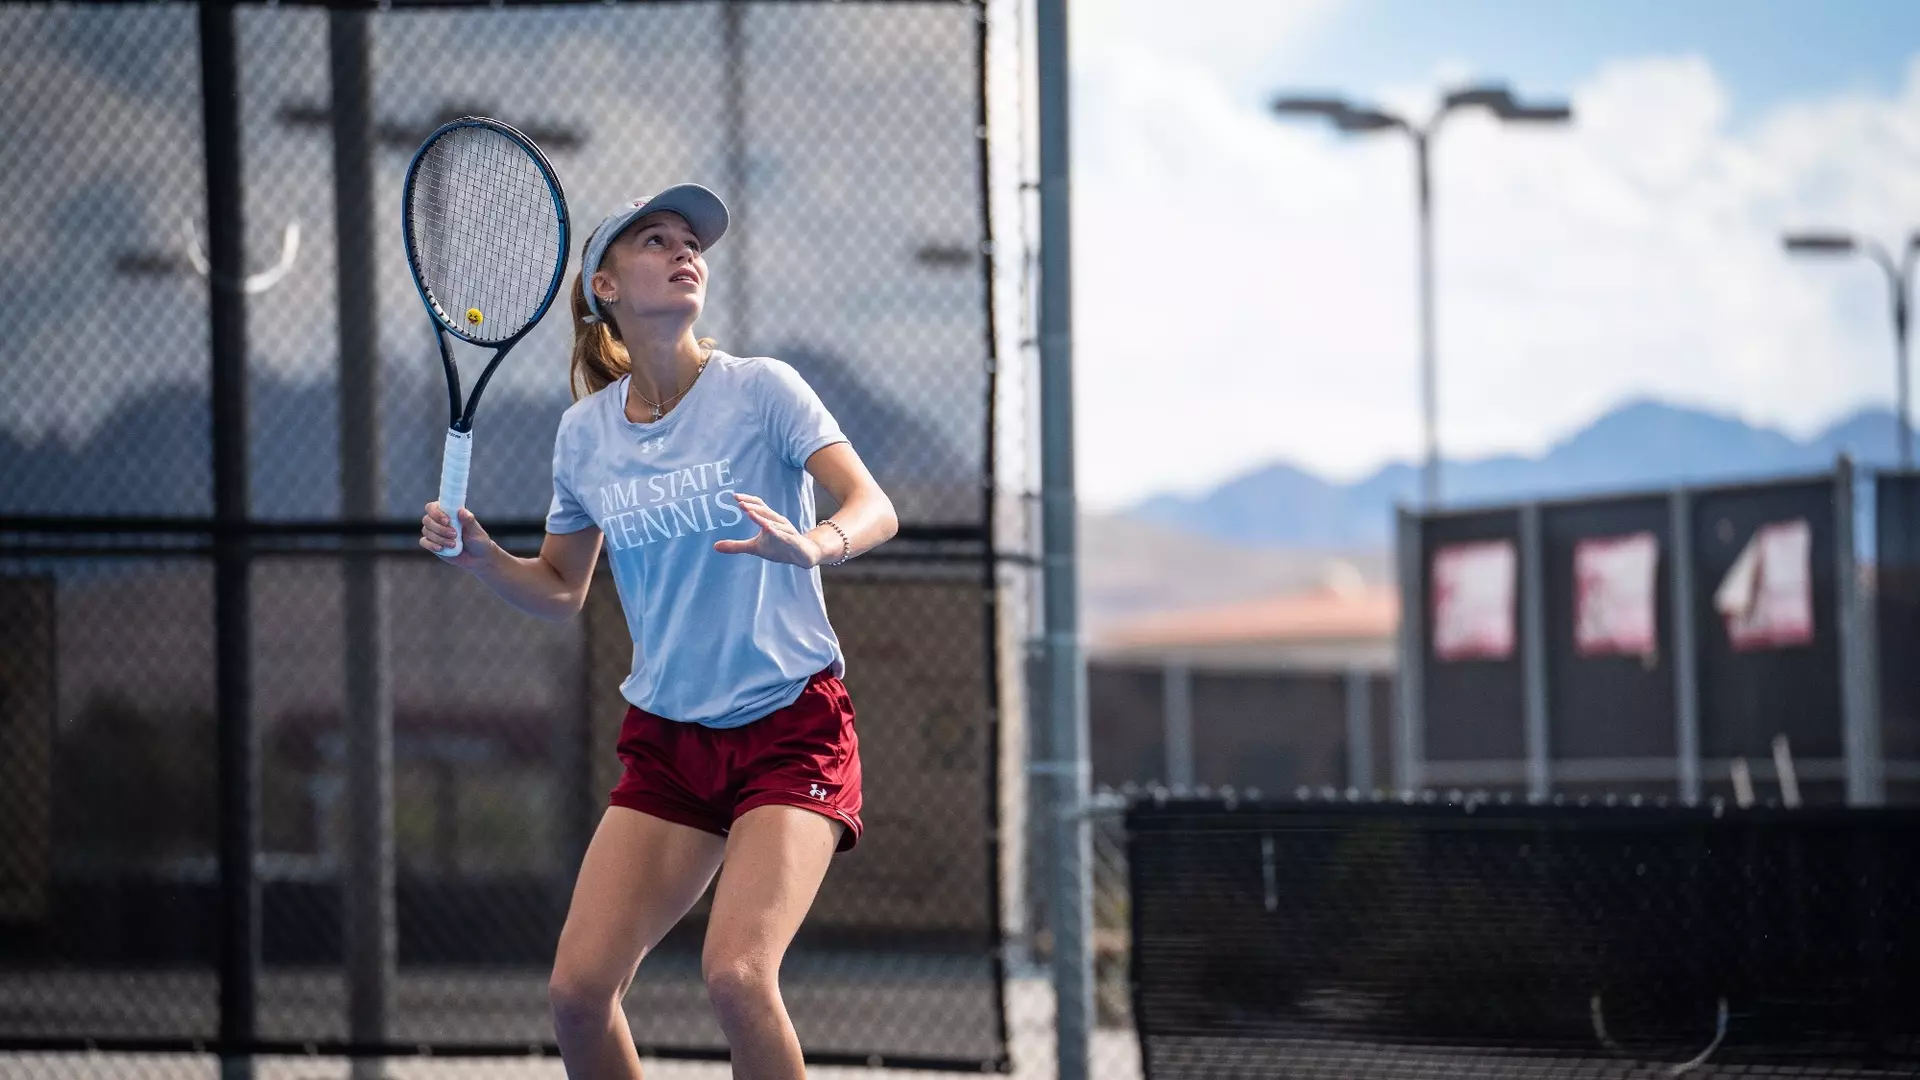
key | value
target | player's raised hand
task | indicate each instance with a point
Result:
(778, 541)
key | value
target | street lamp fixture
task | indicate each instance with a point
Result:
(1899, 273)
(1819, 243)
(1355, 119)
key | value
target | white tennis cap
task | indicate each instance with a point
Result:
(702, 209)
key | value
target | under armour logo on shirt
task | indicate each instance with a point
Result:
(817, 791)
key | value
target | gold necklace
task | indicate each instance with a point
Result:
(660, 407)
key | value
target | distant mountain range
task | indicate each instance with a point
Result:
(1644, 444)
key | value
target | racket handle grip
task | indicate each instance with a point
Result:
(453, 483)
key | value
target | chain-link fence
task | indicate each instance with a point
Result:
(849, 142)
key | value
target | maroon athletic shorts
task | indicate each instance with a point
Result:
(804, 755)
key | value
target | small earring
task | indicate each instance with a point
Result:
(608, 299)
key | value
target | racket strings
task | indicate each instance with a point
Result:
(486, 233)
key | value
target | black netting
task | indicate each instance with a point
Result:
(1320, 940)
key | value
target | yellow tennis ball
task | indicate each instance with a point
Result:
(474, 316)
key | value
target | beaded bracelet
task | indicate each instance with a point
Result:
(846, 544)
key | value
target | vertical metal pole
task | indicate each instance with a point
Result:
(1429, 388)
(739, 265)
(1176, 717)
(1066, 667)
(572, 745)
(1003, 847)
(1359, 730)
(1039, 806)
(237, 752)
(1866, 656)
(579, 749)
(1899, 281)
(1410, 724)
(1860, 732)
(1685, 648)
(1533, 651)
(368, 902)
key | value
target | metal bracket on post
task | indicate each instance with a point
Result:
(1100, 804)
(251, 284)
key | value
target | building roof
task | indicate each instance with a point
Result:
(1326, 626)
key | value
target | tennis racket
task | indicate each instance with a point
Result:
(486, 226)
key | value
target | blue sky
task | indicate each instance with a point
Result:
(1247, 287)
(1766, 51)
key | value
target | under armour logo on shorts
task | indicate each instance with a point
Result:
(817, 791)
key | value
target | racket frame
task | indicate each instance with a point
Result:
(459, 446)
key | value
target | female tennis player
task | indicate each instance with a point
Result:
(697, 470)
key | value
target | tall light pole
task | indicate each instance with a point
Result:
(1899, 278)
(1356, 119)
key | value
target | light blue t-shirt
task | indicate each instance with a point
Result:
(719, 640)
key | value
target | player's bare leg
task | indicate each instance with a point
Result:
(776, 859)
(640, 875)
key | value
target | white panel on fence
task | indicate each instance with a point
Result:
(1473, 587)
(1613, 581)
(1766, 598)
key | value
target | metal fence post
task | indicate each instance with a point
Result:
(238, 747)
(1685, 647)
(1176, 706)
(1410, 723)
(1066, 666)
(1533, 651)
(1859, 725)
(368, 884)
(1359, 686)
(734, 107)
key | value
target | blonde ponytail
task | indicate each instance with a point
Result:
(599, 359)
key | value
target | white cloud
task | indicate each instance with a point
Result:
(1233, 43)
(1245, 290)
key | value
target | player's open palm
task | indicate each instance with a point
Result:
(436, 535)
(778, 540)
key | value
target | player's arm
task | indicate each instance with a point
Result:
(865, 511)
(551, 585)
